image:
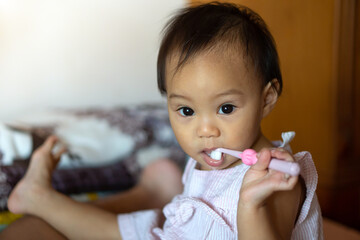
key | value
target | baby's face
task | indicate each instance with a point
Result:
(213, 102)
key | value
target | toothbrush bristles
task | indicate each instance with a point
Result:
(215, 155)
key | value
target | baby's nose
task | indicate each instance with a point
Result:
(207, 129)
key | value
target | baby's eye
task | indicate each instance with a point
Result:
(226, 109)
(186, 111)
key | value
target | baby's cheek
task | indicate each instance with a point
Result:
(184, 142)
(235, 140)
(246, 136)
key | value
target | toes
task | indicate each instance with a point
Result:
(49, 143)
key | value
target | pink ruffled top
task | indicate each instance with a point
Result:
(207, 209)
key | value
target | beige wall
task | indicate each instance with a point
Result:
(79, 53)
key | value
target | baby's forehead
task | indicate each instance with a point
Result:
(215, 65)
(176, 60)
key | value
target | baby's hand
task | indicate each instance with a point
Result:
(260, 182)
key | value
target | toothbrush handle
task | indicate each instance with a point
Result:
(291, 168)
(248, 157)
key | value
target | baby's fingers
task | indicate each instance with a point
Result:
(256, 192)
(285, 181)
(282, 154)
(264, 157)
(282, 181)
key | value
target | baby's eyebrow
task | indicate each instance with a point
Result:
(174, 95)
(230, 92)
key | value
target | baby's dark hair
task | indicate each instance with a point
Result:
(204, 27)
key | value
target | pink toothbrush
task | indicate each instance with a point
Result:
(248, 157)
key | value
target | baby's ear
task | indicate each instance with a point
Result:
(271, 95)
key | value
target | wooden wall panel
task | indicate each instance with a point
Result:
(343, 201)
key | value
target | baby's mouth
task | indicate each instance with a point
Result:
(213, 154)
(213, 163)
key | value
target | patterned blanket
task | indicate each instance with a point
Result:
(149, 127)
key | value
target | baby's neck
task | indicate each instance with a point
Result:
(261, 142)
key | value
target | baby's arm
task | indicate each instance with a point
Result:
(34, 195)
(269, 200)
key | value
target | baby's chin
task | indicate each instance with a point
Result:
(226, 164)
(235, 163)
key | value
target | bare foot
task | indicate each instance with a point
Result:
(162, 179)
(37, 180)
